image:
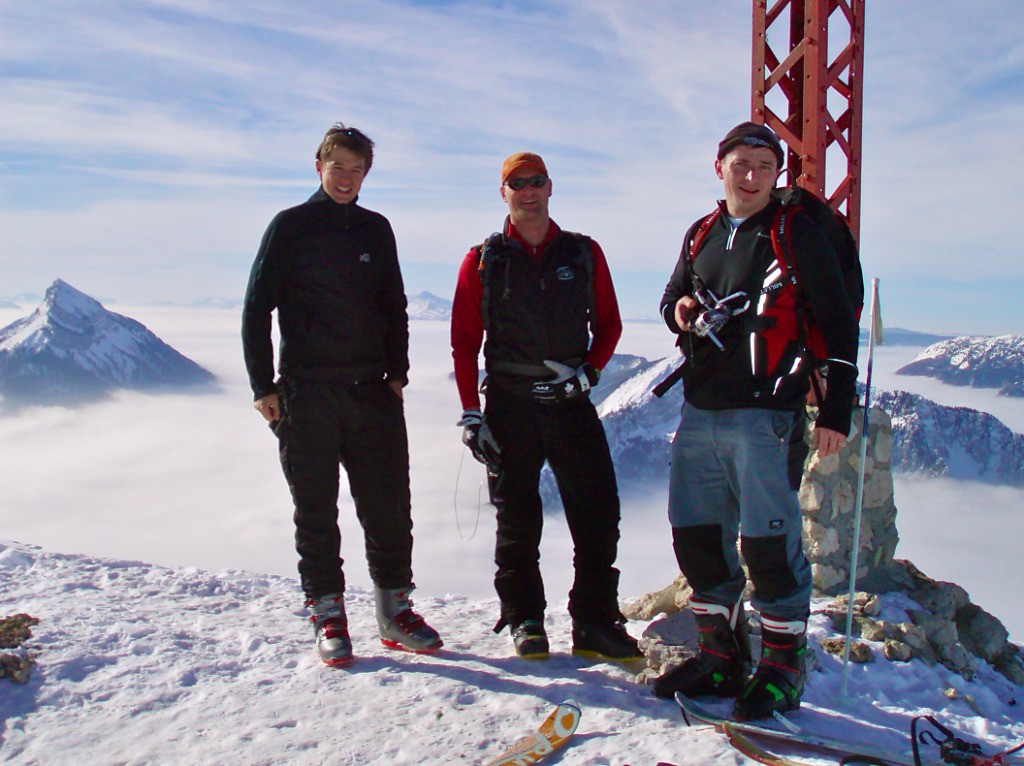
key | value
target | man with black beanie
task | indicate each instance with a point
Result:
(738, 454)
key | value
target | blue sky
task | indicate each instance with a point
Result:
(145, 144)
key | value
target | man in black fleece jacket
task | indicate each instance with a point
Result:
(330, 269)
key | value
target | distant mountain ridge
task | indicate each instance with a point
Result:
(959, 442)
(929, 439)
(71, 348)
(429, 306)
(898, 336)
(979, 362)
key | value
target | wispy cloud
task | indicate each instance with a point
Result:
(209, 113)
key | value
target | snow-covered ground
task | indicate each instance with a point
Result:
(201, 654)
(141, 664)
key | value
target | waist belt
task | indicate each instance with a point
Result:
(529, 370)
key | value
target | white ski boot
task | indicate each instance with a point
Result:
(400, 627)
(330, 626)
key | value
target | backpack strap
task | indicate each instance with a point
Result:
(702, 231)
(782, 244)
(485, 251)
(586, 257)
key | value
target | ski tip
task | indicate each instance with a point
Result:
(567, 718)
(681, 701)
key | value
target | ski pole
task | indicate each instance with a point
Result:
(859, 502)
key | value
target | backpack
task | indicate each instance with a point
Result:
(798, 200)
(486, 266)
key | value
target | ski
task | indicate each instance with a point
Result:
(694, 711)
(556, 730)
(756, 753)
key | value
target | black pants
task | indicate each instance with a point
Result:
(572, 439)
(362, 427)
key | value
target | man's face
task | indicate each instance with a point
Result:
(749, 174)
(341, 174)
(529, 203)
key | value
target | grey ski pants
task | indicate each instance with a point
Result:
(734, 476)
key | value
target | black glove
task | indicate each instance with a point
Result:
(476, 435)
(567, 384)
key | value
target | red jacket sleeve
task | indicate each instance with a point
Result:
(607, 325)
(467, 332)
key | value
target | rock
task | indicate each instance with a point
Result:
(941, 598)
(981, 633)
(670, 641)
(897, 651)
(16, 667)
(1011, 664)
(811, 495)
(664, 601)
(955, 657)
(826, 578)
(859, 651)
(15, 630)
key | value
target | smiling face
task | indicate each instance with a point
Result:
(529, 204)
(341, 174)
(749, 174)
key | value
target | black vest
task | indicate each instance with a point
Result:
(535, 310)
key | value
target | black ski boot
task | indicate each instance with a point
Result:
(722, 663)
(531, 640)
(604, 641)
(778, 684)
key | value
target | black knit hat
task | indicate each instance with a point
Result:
(752, 134)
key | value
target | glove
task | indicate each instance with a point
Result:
(476, 435)
(567, 384)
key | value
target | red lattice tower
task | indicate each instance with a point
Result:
(811, 99)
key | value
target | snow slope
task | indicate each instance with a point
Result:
(142, 664)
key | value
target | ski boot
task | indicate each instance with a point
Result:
(604, 641)
(778, 684)
(330, 626)
(531, 640)
(722, 663)
(400, 627)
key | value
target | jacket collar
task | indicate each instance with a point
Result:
(321, 196)
(513, 235)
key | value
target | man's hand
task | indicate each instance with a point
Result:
(827, 441)
(568, 383)
(476, 435)
(269, 407)
(686, 310)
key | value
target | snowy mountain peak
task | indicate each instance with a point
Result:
(62, 298)
(429, 306)
(72, 348)
(980, 362)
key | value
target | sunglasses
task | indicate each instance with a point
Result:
(517, 184)
(338, 129)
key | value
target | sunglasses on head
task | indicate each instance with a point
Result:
(339, 129)
(517, 184)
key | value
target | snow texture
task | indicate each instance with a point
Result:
(141, 664)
